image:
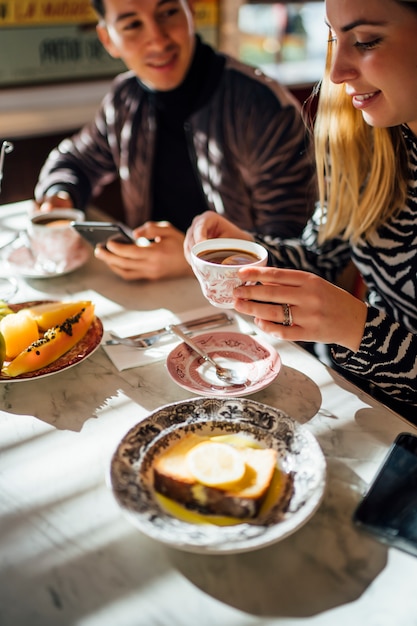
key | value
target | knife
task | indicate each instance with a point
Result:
(201, 323)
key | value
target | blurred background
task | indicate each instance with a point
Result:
(54, 71)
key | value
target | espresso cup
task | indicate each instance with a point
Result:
(216, 263)
(53, 241)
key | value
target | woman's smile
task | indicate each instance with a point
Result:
(364, 100)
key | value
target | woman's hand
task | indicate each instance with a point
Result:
(163, 257)
(210, 225)
(321, 312)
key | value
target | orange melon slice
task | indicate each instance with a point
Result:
(19, 330)
(49, 314)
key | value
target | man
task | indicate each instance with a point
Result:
(185, 130)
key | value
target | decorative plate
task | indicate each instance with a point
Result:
(255, 358)
(84, 348)
(20, 260)
(299, 454)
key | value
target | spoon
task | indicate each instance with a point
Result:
(226, 375)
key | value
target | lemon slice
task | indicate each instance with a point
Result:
(215, 464)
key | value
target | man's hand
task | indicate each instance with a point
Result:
(62, 200)
(161, 257)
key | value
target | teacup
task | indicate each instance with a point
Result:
(216, 263)
(53, 241)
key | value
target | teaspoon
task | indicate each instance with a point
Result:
(225, 374)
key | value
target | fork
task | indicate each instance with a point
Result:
(145, 340)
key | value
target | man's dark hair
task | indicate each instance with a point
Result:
(98, 5)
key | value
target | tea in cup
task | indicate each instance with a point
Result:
(216, 263)
(53, 241)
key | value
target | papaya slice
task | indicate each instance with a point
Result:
(50, 314)
(55, 342)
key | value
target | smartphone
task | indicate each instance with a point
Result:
(99, 232)
(389, 508)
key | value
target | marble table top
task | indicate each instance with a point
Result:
(69, 557)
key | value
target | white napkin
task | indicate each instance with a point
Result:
(134, 322)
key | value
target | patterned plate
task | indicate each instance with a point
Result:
(254, 358)
(84, 348)
(299, 454)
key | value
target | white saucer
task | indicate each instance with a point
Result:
(8, 288)
(20, 260)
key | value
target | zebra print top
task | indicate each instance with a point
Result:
(387, 357)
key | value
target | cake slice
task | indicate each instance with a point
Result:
(242, 498)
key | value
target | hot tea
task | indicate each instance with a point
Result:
(54, 243)
(51, 222)
(229, 257)
(217, 264)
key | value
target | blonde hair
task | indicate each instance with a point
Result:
(362, 170)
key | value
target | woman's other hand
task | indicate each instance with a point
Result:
(211, 225)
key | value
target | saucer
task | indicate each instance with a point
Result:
(20, 260)
(190, 371)
(8, 288)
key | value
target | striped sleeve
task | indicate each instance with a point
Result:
(387, 357)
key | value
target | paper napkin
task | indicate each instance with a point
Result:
(124, 357)
(126, 322)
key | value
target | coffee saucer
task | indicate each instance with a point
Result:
(20, 259)
(190, 371)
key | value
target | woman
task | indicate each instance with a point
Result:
(366, 150)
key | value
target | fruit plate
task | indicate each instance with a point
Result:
(256, 358)
(83, 349)
(131, 475)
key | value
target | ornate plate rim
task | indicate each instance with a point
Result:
(134, 495)
(67, 360)
(234, 391)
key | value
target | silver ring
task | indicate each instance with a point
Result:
(288, 321)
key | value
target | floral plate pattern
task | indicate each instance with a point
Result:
(131, 479)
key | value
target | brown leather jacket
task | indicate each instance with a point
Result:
(248, 144)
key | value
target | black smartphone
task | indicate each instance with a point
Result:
(99, 232)
(389, 508)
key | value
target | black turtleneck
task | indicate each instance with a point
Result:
(177, 191)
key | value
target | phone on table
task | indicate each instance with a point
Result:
(99, 232)
(389, 508)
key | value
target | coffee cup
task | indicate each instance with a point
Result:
(216, 264)
(53, 241)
